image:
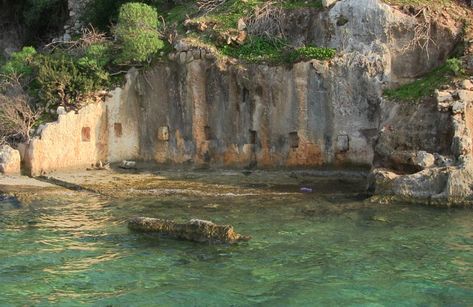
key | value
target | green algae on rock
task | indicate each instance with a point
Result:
(194, 230)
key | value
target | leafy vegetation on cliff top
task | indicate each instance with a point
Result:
(136, 31)
(426, 86)
(259, 49)
(215, 24)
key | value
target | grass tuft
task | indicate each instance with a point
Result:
(426, 86)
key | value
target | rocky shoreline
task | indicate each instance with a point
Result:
(196, 110)
(188, 184)
(440, 173)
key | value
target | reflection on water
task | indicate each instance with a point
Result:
(325, 248)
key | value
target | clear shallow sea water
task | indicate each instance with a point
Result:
(311, 249)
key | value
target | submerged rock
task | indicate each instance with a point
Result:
(194, 230)
(9, 202)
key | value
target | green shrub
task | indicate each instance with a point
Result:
(426, 85)
(62, 80)
(294, 4)
(259, 49)
(137, 33)
(103, 13)
(99, 53)
(19, 63)
(317, 53)
(455, 66)
(256, 49)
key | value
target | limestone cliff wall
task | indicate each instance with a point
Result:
(256, 115)
(386, 37)
(196, 110)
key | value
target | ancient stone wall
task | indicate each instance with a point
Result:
(96, 134)
(195, 109)
(256, 115)
(75, 141)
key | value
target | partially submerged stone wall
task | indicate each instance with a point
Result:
(103, 132)
(193, 109)
(74, 141)
(256, 115)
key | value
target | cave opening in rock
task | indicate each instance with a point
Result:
(208, 133)
(253, 136)
(294, 139)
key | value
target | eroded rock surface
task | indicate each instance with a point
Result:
(194, 230)
(10, 161)
(199, 111)
(432, 165)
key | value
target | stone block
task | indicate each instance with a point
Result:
(181, 46)
(61, 111)
(10, 161)
(467, 85)
(196, 54)
(458, 107)
(209, 56)
(189, 56)
(465, 96)
(443, 96)
(172, 56)
(327, 3)
(424, 159)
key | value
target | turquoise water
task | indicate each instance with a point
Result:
(307, 249)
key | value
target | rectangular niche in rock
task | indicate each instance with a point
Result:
(117, 128)
(293, 139)
(208, 133)
(163, 133)
(343, 143)
(85, 134)
(245, 96)
(253, 136)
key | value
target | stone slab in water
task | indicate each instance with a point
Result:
(193, 230)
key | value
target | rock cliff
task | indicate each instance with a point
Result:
(199, 110)
(424, 151)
